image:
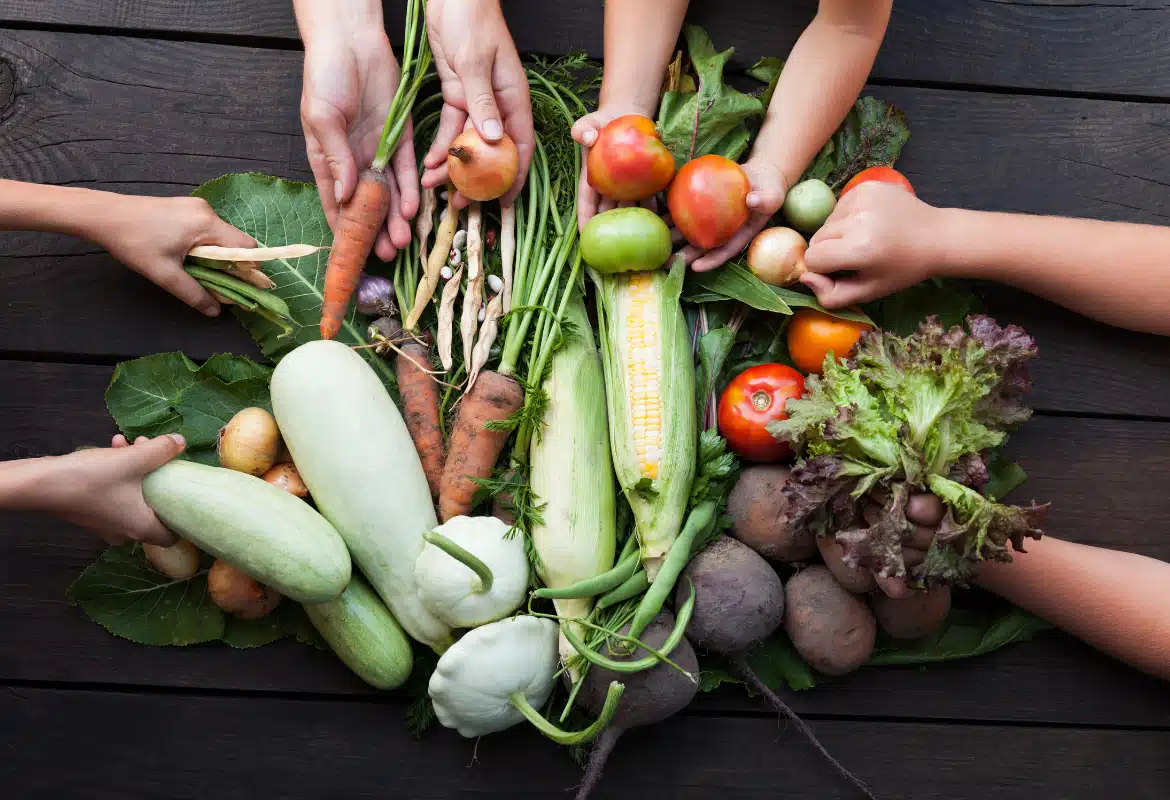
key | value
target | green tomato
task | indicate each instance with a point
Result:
(808, 205)
(625, 240)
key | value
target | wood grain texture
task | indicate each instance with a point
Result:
(1085, 47)
(118, 745)
(1046, 155)
(1086, 467)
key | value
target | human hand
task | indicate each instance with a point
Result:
(585, 132)
(885, 236)
(349, 82)
(484, 85)
(101, 489)
(152, 236)
(767, 195)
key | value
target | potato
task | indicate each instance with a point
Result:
(833, 630)
(920, 614)
(758, 509)
(855, 579)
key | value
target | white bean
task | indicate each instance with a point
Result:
(456, 258)
(460, 240)
(445, 273)
(495, 283)
(482, 313)
(443, 195)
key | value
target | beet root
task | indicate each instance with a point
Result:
(915, 616)
(651, 695)
(759, 511)
(832, 629)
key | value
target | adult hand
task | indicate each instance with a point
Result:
(101, 489)
(349, 82)
(767, 195)
(585, 132)
(884, 236)
(483, 83)
(152, 236)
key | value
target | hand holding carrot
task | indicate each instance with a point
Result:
(484, 84)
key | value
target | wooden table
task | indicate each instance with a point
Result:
(1027, 106)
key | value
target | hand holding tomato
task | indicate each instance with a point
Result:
(813, 334)
(586, 131)
(766, 191)
(885, 236)
(755, 397)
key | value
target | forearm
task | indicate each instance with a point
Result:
(321, 18)
(1109, 599)
(639, 39)
(55, 209)
(820, 82)
(1115, 272)
(30, 484)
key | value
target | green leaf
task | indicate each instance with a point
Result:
(797, 299)
(733, 282)
(711, 119)
(872, 134)
(767, 70)
(1006, 477)
(714, 347)
(965, 634)
(125, 596)
(904, 311)
(776, 660)
(209, 405)
(142, 393)
(229, 368)
(277, 212)
(287, 619)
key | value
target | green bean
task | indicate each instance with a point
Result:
(637, 583)
(700, 517)
(598, 584)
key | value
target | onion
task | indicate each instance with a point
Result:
(286, 477)
(249, 442)
(776, 256)
(238, 594)
(178, 562)
(375, 296)
(482, 171)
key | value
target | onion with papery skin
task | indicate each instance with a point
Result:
(178, 562)
(249, 442)
(482, 170)
(776, 256)
(286, 477)
(375, 296)
(238, 594)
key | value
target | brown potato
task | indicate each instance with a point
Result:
(758, 509)
(920, 614)
(855, 579)
(925, 509)
(833, 630)
(238, 594)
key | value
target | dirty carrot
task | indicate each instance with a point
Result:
(420, 403)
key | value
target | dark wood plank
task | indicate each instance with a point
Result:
(1040, 155)
(1084, 467)
(68, 744)
(1085, 47)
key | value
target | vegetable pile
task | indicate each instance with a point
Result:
(614, 487)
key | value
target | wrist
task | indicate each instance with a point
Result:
(627, 97)
(946, 245)
(330, 24)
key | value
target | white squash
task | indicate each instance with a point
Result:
(355, 454)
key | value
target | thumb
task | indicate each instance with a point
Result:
(585, 130)
(227, 235)
(150, 455)
(765, 200)
(329, 127)
(841, 292)
(481, 102)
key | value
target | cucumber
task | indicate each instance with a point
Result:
(276, 538)
(355, 454)
(364, 635)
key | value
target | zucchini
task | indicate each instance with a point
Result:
(355, 454)
(276, 538)
(364, 635)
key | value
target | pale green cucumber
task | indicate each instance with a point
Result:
(276, 538)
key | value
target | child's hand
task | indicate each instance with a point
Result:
(101, 489)
(885, 236)
(152, 235)
(764, 200)
(482, 79)
(349, 81)
(585, 132)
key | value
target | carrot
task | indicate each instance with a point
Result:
(358, 225)
(420, 400)
(474, 448)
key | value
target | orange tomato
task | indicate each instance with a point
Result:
(813, 334)
(881, 174)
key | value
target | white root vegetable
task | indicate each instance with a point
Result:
(507, 251)
(473, 297)
(438, 257)
(447, 319)
(487, 337)
(217, 253)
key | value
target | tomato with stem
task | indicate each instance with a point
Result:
(755, 397)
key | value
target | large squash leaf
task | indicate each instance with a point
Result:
(276, 212)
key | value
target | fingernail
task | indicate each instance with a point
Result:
(337, 191)
(178, 439)
(753, 199)
(492, 129)
(210, 310)
(590, 137)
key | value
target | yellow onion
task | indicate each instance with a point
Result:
(249, 442)
(482, 170)
(286, 477)
(776, 256)
(238, 594)
(179, 562)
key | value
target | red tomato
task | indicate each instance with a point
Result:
(629, 161)
(883, 175)
(812, 334)
(754, 398)
(708, 200)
